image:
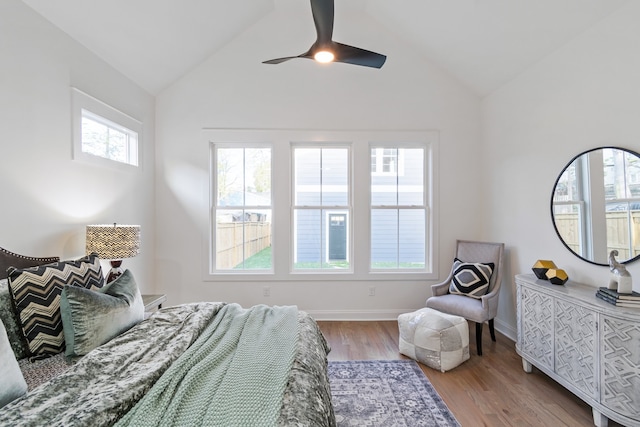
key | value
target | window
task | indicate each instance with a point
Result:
(569, 208)
(242, 209)
(102, 134)
(290, 205)
(104, 138)
(321, 208)
(398, 208)
(596, 203)
(622, 201)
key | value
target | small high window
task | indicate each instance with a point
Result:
(104, 138)
(102, 134)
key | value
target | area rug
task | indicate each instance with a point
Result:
(385, 393)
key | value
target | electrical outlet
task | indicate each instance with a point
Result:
(266, 291)
(372, 291)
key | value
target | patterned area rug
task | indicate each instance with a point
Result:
(385, 393)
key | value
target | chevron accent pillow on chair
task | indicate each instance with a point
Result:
(36, 295)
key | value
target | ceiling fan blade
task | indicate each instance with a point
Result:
(356, 56)
(307, 55)
(323, 12)
(280, 60)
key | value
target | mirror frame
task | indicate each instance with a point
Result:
(553, 190)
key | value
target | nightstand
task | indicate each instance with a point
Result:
(152, 303)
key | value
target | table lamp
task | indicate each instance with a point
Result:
(113, 242)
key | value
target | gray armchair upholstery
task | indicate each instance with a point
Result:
(477, 310)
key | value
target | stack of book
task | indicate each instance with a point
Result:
(621, 300)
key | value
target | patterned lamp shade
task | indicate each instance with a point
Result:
(113, 241)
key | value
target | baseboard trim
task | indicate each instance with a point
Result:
(356, 315)
(505, 329)
(363, 315)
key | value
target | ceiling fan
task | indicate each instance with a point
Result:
(325, 49)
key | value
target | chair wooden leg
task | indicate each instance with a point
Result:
(492, 331)
(479, 337)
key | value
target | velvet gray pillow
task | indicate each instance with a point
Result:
(9, 317)
(13, 383)
(92, 317)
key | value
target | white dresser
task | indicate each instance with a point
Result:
(587, 345)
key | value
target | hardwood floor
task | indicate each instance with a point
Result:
(488, 390)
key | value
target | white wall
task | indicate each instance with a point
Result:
(234, 90)
(585, 95)
(47, 198)
(582, 96)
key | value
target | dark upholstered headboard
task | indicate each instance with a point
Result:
(9, 259)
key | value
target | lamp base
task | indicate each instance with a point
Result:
(116, 271)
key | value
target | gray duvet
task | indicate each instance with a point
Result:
(106, 383)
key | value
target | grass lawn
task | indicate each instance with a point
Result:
(325, 265)
(262, 261)
(259, 261)
(394, 265)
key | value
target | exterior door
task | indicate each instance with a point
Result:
(337, 237)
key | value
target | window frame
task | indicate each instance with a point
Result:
(325, 210)
(426, 205)
(282, 199)
(214, 209)
(107, 115)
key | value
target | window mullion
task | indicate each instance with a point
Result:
(244, 208)
(322, 241)
(397, 213)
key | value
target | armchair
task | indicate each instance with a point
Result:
(477, 310)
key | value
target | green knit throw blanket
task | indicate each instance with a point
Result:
(234, 374)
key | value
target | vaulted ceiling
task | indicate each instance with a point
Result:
(483, 43)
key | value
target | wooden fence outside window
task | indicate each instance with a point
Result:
(234, 238)
(619, 236)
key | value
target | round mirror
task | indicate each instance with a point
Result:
(595, 205)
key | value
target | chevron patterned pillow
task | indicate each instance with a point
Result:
(36, 294)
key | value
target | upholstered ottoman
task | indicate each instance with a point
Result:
(438, 340)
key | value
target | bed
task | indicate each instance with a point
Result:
(207, 363)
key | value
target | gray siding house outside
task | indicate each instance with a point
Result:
(398, 235)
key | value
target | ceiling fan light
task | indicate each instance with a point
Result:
(324, 56)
